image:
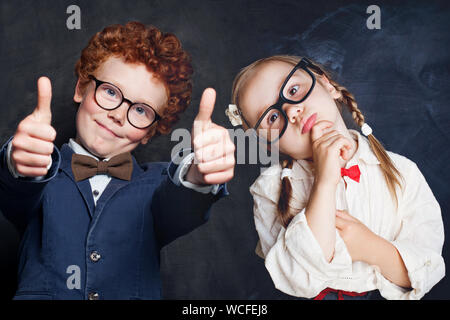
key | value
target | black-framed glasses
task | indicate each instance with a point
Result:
(110, 97)
(296, 88)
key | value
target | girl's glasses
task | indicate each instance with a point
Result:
(110, 97)
(296, 88)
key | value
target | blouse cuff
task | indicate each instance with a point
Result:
(425, 268)
(302, 244)
(180, 173)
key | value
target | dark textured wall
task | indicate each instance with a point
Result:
(399, 74)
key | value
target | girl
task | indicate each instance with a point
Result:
(341, 214)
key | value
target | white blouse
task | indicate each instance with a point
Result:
(294, 258)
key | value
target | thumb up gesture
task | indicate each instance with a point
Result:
(32, 144)
(214, 151)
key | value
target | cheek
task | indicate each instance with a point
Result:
(87, 109)
(135, 135)
(294, 145)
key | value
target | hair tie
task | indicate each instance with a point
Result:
(233, 115)
(366, 129)
(286, 172)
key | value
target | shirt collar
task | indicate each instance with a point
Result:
(77, 148)
(364, 152)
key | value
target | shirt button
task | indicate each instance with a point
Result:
(95, 256)
(95, 193)
(93, 296)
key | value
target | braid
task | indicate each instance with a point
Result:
(284, 214)
(390, 172)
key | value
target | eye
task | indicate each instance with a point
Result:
(293, 90)
(140, 110)
(273, 117)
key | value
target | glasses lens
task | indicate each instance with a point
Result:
(272, 124)
(141, 115)
(298, 86)
(108, 96)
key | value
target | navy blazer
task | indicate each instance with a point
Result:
(112, 247)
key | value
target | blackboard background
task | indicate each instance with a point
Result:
(399, 74)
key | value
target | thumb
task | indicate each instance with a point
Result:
(42, 112)
(206, 107)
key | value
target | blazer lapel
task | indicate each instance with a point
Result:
(83, 186)
(116, 184)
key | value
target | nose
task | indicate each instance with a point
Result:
(119, 114)
(294, 112)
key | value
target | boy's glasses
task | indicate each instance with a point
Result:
(110, 97)
(296, 88)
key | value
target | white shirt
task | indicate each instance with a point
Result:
(294, 258)
(100, 181)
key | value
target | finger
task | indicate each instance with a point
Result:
(330, 140)
(24, 158)
(214, 151)
(318, 128)
(43, 113)
(219, 177)
(211, 136)
(337, 142)
(326, 136)
(31, 171)
(340, 223)
(206, 108)
(217, 165)
(345, 215)
(33, 145)
(37, 130)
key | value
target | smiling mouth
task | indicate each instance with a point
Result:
(105, 128)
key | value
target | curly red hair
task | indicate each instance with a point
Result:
(162, 53)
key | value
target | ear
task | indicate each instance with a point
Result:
(148, 136)
(78, 96)
(329, 87)
(145, 139)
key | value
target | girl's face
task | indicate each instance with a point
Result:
(106, 133)
(261, 90)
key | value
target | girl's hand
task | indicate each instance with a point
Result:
(214, 151)
(32, 144)
(357, 237)
(327, 147)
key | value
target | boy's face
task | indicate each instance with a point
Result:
(106, 133)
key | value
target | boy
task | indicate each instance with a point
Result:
(92, 220)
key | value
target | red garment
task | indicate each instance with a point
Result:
(340, 293)
(352, 172)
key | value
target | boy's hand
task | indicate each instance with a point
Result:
(357, 237)
(214, 151)
(32, 144)
(327, 147)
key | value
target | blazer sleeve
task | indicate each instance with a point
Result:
(20, 198)
(177, 210)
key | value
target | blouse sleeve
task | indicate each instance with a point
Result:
(419, 240)
(293, 256)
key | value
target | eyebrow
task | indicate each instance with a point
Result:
(269, 104)
(120, 86)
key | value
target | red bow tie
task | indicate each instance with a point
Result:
(352, 172)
